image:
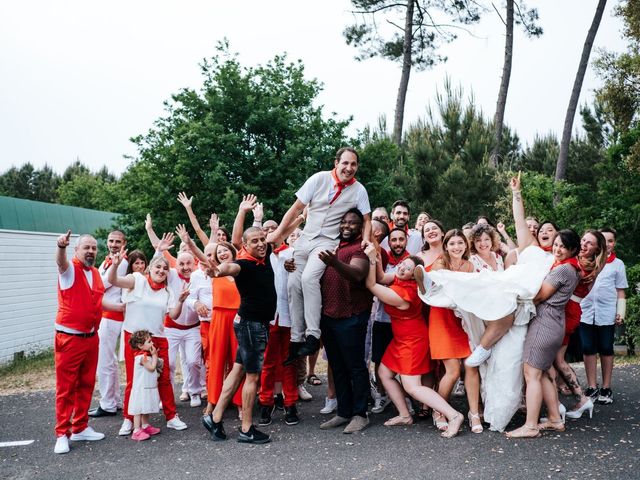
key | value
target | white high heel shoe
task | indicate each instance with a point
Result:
(577, 413)
(563, 412)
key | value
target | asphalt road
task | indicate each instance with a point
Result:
(607, 446)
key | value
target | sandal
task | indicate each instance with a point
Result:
(453, 426)
(525, 431)
(399, 421)
(549, 425)
(314, 380)
(440, 421)
(423, 413)
(475, 428)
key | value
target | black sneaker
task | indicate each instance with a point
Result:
(592, 392)
(278, 402)
(265, 415)
(217, 431)
(605, 397)
(253, 436)
(291, 415)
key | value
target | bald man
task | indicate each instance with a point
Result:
(80, 292)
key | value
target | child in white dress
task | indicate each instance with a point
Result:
(144, 397)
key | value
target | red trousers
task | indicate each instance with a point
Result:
(76, 361)
(272, 369)
(165, 389)
(222, 353)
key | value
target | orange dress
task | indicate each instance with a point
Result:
(222, 339)
(408, 352)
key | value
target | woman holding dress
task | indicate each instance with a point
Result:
(408, 353)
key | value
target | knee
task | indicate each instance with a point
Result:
(453, 369)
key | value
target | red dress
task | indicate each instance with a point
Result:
(573, 312)
(408, 352)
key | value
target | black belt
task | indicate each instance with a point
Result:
(81, 335)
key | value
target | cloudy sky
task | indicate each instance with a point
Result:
(79, 78)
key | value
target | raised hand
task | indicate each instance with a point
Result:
(258, 212)
(117, 258)
(248, 202)
(328, 257)
(184, 200)
(371, 252)
(148, 224)
(64, 240)
(181, 230)
(166, 242)
(184, 294)
(214, 222)
(501, 228)
(515, 183)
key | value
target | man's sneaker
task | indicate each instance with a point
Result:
(303, 394)
(594, 393)
(62, 445)
(100, 412)
(217, 431)
(291, 415)
(126, 428)
(458, 390)
(253, 436)
(195, 400)
(176, 423)
(278, 402)
(184, 397)
(605, 397)
(265, 415)
(88, 434)
(356, 424)
(381, 403)
(330, 406)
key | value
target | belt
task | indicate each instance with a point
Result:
(576, 299)
(81, 335)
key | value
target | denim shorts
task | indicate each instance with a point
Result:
(597, 339)
(252, 342)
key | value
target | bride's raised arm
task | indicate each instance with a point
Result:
(525, 238)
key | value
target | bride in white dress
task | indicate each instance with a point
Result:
(502, 299)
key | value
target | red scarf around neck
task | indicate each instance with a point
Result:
(183, 278)
(573, 261)
(339, 185)
(611, 257)
(282, 247)
(244, 255)
(155, 286)
(393, 260)
(547, 249)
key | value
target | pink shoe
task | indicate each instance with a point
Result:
(151, 430)
(140, 435)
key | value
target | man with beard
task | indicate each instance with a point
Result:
(346, 306)
(400, 216)
(80, 292)
(381, 331)
(110, 330)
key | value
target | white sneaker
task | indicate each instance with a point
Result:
(184, 397)
(88, 434)
(126, 428)
(176, 423)
(380, 404)
(330, 406)
(478, 356)
(458, 390)
(62, 445)
(303, 394)
(195, 400)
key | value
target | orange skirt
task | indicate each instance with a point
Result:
(447, 339)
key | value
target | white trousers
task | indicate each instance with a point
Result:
(189, 342)
(185, 373)
(305, 297)
(107, 373)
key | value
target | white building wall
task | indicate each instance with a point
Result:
(28, 291)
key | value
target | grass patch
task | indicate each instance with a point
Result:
(34, 372)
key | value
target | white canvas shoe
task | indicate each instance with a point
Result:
(478, 356)
(176, 423)
(62, 445)
(88, 435)
(330, 406)
(126, 428)
(195, 400)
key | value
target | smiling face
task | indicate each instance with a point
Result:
(185, 264)
(350, 227)
(588, 245)
(221, 236)
(483, 244)
(397, 242)
(545, 234)
(269, 226)
(255, 243)
(295, 235)
(158, 271)
(456, 247)
(224, 254)
(86, 250)
(533, 226)
(421, 220)
(115, 242)
(139, 266)
(432, 233)
(400, 216)
(346, 166)
(611, 241)
(405, 269)
(560, 252)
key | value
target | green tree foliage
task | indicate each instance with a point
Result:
(247, 130)
(29, 183)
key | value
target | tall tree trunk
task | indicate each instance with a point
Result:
(498, 120)
(561, 165)
(406, 71)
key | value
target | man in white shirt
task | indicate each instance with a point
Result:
(109, 331)
(400, 216)
(602, 309)
(327, 196)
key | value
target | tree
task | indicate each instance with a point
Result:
(561, 166)
(246, 130)
(526, 18)
(417, 28)
(31, 184)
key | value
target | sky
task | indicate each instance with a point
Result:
(80, 78)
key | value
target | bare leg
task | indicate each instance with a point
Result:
(381, 388)
(472, 387)
(229, 387)
(495, 330)
(590, 367)
(451, 376)
(569, 375)
(249, 391)
(313, 359)
(533, 378)
(394, 390)
(550, 397)
(137, 422)
(606, 363)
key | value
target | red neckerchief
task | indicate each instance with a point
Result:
(339, 185)
(79, 263)
(392, 225)
(282, 247)
(108, 261)
(405, 283)
(155, 286)
(573, 261)
(144, 353)
(611, 257)
(547, 249)
(393, 260)
(244, 255)
(184, 279)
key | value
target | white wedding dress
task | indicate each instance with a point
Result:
(485, 296)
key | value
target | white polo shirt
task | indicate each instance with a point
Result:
(599, 306)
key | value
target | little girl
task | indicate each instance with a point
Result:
(144, 397)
